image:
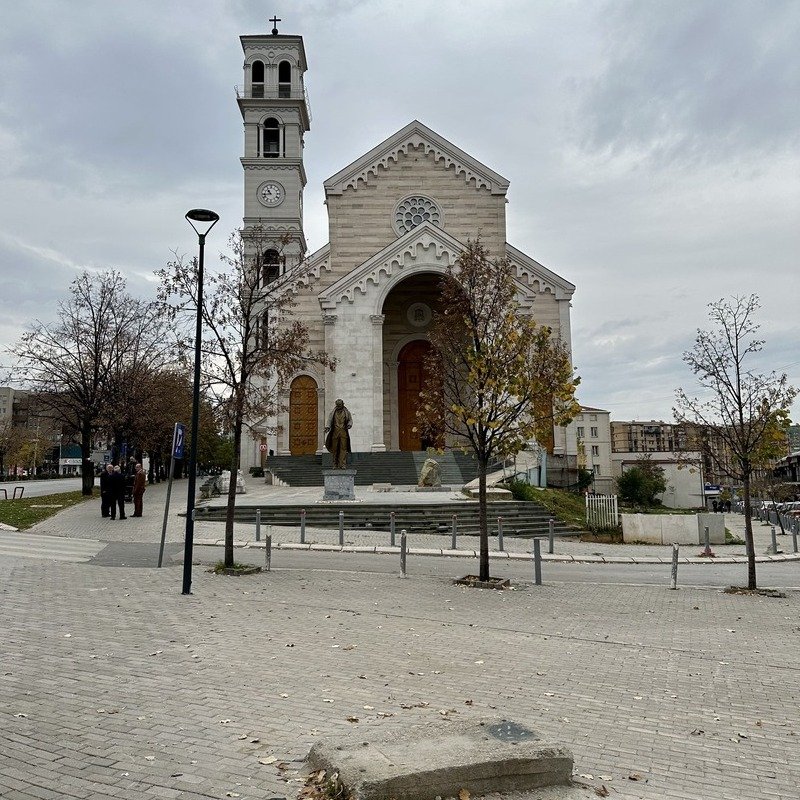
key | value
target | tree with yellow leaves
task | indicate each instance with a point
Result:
(500, 378)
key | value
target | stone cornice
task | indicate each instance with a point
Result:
(415, 135)
(536, 277)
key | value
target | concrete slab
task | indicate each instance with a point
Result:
(439, 759)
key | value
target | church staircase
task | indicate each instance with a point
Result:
(397, 468)
(520, 518)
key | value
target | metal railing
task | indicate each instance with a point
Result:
(268, 92)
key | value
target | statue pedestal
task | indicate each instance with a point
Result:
(339, 484)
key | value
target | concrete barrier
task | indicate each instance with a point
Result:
(669, 528)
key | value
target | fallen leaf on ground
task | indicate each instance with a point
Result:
(634, 776)
(601, 791)
(267, 760)
(352, 719)
(463, 794)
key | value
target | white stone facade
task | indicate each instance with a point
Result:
(399, 216)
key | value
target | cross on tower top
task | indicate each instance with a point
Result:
(275, 21)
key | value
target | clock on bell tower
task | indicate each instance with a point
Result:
(276, 116)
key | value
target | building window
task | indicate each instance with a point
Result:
(257, 78)
(413, 211)
(581, 432)
(270, 266)
(595, 450)
(596, 470)
(272, 138)
(593, 417)
(593, 432)
(284, 79)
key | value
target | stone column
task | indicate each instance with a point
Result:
(328, 390)
(378, 445)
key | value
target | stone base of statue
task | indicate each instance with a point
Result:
(339, 484)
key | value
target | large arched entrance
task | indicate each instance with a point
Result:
(303, 429)
(411, 380)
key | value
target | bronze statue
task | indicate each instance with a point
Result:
(337, 434)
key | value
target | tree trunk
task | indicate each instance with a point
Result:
(87, 467)
(237, 440)
(748, 533)
(483, 569)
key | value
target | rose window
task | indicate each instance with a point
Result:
(414, 211)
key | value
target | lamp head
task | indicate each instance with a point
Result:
(206, 220)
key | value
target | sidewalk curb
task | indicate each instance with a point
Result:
(494, 554)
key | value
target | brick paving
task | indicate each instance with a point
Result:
(112, 684)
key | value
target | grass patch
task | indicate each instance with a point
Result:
(23, 513)
(731, 539)
(565, 506)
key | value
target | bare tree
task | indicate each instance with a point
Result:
(72, 363)
(251, 345)
(501, 379)
(742, 410)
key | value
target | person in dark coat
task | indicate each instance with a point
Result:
(106, 490)
(139, 485)
(118, 494)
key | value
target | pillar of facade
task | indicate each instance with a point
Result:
(328, 391)
(378, 445)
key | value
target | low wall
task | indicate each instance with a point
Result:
(673, 528)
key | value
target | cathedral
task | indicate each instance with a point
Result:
(398, 217)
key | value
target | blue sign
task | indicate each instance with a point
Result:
(178, 440)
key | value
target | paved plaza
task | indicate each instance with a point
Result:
(113, 684)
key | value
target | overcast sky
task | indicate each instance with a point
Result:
(652, 149)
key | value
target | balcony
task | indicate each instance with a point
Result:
(283, 91)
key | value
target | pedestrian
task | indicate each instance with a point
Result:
(727, 506)
(106, 490)
(118, 493)
(715, 506)
(139, 485)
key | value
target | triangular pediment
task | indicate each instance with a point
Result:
(414, 136)
(425, 247)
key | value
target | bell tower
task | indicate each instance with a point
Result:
(276, 116)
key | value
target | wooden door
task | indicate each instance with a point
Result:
(410, 382)
(303, 420)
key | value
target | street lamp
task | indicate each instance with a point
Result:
(205, 222)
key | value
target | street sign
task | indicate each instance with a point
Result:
(262, 448)
(178, 440)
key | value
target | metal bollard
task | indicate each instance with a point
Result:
(795, 525)
(774, 541)
(707, 538)
(537, 563)
(674, 580)
(391, 529)
(268, 554)
(454, 533)
(303, 526)
(551, 530)
(403, 553)
(341, 529)
(258, 524)
(500, 534)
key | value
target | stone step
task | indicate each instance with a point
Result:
(437, 761)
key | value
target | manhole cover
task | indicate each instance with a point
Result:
(511, 732)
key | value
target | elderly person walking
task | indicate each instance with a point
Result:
(106, 490)
(139, 485)
(118, 493)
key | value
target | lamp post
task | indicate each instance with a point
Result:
(205, 222)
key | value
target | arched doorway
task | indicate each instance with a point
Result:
(411, 379)
(303, 430)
